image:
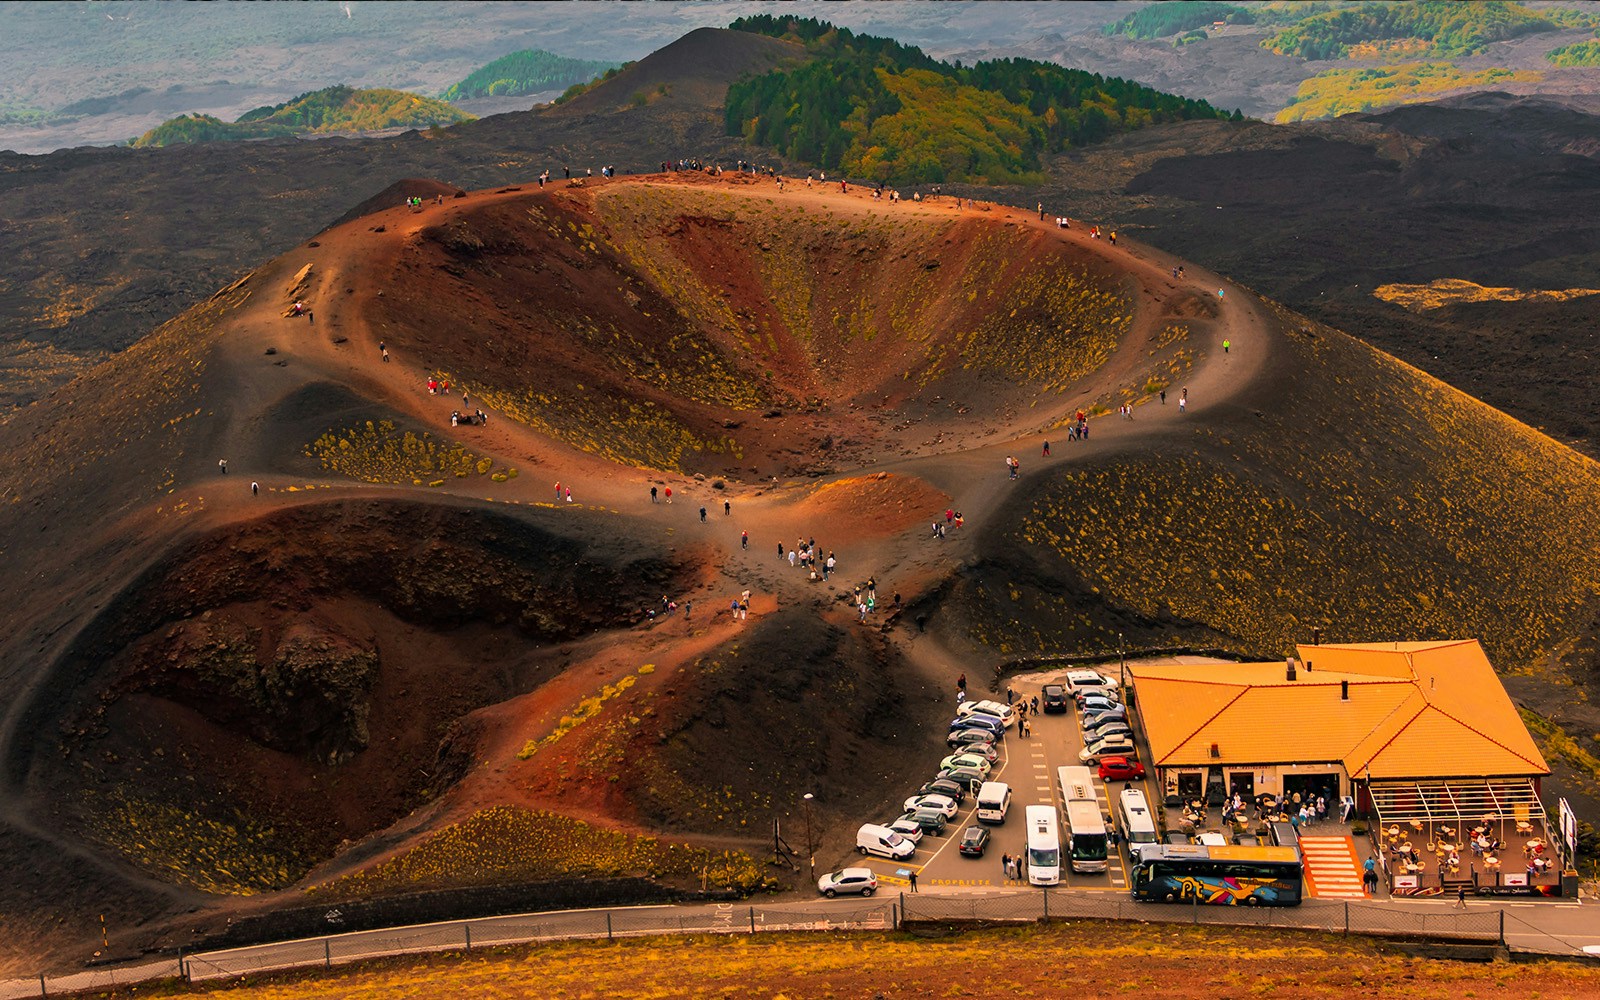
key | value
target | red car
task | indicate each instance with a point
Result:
(1120, 769)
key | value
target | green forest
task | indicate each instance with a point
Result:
(334, 109)
(526, 72)
(1577, 54)
(1163, 19)
(877, 109)
(1447, 28)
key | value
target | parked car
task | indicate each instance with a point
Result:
(927, 820)
(988, 751)
(959, 738)
(1116, 712)
(999, 709)
(1089, 680)
(943, 803)
(1211, 838)
(974, 841)
(875, 839)
(1053, 699)
(944, 786)
(1110, 727)
(975, 761)
(1111, 745)
(860, 881)
(907, 828)
(982, 723)
(971, 777)
(1120, 769)
(1176, 837)
(1247, 840)
(1088, 703)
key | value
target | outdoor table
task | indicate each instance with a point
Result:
(1394, 831)
(1416, 824)
(1491, 862)
(1524, 827)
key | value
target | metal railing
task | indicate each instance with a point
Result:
(1481, 924)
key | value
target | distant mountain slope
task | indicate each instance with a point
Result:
(874, 108)
(693, 71)
(526, 72)
(333, 109)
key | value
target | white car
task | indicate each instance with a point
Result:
(1091, 680)
(1212, 839)
(848, 880)
(1111, 746)
(998, 709)
(908, 829)
(976, 761)
(943, 803)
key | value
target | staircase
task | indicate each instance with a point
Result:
(1332, 868)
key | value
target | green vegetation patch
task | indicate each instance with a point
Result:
(333, 109)
(1448, 28)
(611, 426)
(229, 854)
(877, 109)
(526, 72)
(506, 844)
(1577, 54)
(1346, 91)
(1162, 19)
(382, 453)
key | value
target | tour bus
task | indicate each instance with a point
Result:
(1086, 827)
(1251, 876)
(1044, 846)
(1138, 826)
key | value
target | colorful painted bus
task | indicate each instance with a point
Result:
(1249, 876)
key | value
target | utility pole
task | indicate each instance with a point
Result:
(811, 844)
(1122, 657)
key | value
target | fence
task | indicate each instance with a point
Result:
(1484, 924)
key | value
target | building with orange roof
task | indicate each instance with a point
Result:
(1415, 731)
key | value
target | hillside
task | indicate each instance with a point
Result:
(334, 109)
(871, 107)
(527, 71)
(413, 662)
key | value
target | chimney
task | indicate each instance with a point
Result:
(1216, 750)
(1308, 666)
(1288, 668)
(1344, 690)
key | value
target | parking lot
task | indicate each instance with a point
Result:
(1028, 765)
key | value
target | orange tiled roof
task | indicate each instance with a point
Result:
(1416, 709)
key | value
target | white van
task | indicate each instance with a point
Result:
(884, 842)
(994, 798)
(1044, 846)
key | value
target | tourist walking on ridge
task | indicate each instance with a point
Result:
(727, 508)
(1226, 344)
(1047, 449)
(255, 489)
(744, 539)
(702, 515)
(222, 464)
(652, 494)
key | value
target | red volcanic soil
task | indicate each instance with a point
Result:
(324, 673)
